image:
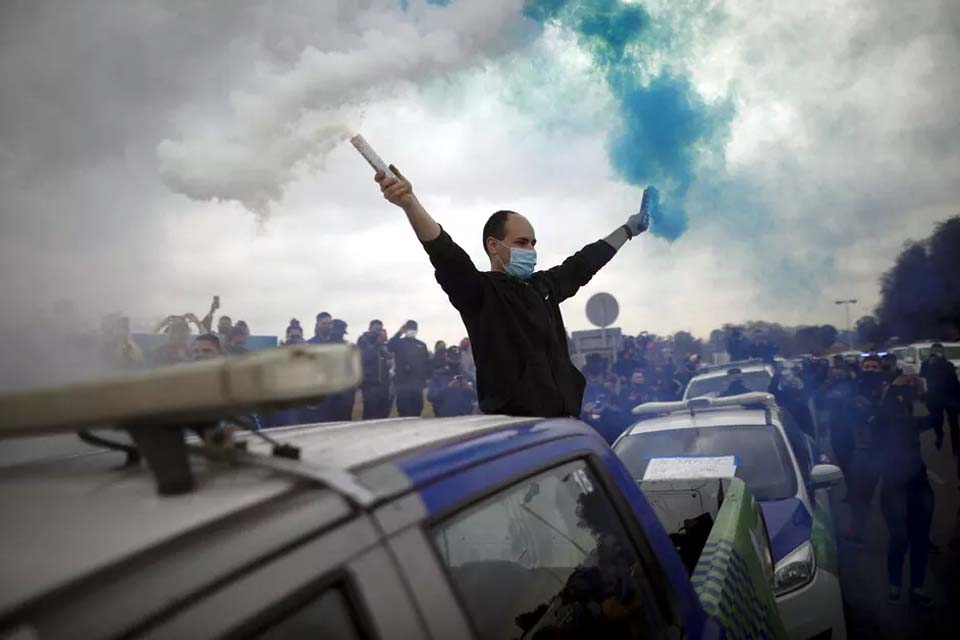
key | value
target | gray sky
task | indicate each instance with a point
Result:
(121, 120)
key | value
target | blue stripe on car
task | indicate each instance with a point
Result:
(788, 523)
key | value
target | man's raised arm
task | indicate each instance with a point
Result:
(456, 273)
(577, 270)
(399, 191)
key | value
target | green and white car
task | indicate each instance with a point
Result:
(781, 467)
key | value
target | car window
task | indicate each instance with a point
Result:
(714, 387)
(328, 616)
(549, 557)
(762, 459)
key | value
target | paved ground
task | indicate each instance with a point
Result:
(863, 571)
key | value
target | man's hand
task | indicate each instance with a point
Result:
(397, 190)
(640, 221)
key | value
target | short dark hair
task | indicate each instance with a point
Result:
(495, 226)
(373, 322)
(322, 315)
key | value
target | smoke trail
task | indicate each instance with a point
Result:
(295, 114)
(663, 122)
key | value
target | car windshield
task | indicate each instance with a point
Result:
(762, 459)
(752, 380)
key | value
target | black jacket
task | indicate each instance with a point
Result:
(412, 363)
(451, 401)
(375, 361)
(516, 330)
(943, 387)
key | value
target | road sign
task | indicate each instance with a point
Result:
(602, 309)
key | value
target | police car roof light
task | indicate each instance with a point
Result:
(705, 403)
(155, 407)
(184, 393)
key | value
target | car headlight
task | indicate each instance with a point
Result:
(795, 570)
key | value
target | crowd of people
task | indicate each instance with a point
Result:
(867, 408)
(399, 372)
(863, 409)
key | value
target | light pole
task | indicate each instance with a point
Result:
(846, 307)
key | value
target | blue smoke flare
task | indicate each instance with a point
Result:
(663, 122)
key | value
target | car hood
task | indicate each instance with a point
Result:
(789, 525)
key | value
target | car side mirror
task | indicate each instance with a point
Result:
(825, 476)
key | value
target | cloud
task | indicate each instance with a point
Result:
(293, 112)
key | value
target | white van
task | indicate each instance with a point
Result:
(912, 356)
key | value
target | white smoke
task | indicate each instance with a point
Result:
(299, 112)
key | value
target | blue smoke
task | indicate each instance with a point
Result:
(663, 122)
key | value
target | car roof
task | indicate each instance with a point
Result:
(713, 418)
(73, 514)
(351, 445)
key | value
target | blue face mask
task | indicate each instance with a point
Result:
(522, 262)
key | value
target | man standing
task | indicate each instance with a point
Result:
(634, 393)
(206, 347)
(865, 464)
(322, 329)
(375, 359)
(337, 407)
(340, 405)
(943, 394)
(177, 349)
(294, 333)
(511, 313)
(237, 341)
(412, 369)
(451, 390)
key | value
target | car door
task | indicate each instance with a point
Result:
(545, 548)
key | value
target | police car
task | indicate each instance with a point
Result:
(783, 470)
(470, 527)
(754, 375)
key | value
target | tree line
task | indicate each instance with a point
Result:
(919, 299)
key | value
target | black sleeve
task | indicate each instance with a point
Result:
(456, 273)
(394, 342)
(566, 279)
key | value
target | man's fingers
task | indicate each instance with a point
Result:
(396, 191)
(396, 172)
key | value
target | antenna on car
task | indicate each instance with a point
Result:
(159, 408)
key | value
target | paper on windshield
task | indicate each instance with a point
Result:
(691, 467)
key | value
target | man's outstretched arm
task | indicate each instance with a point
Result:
(399, 191)
(456, 273)
(577, 270)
